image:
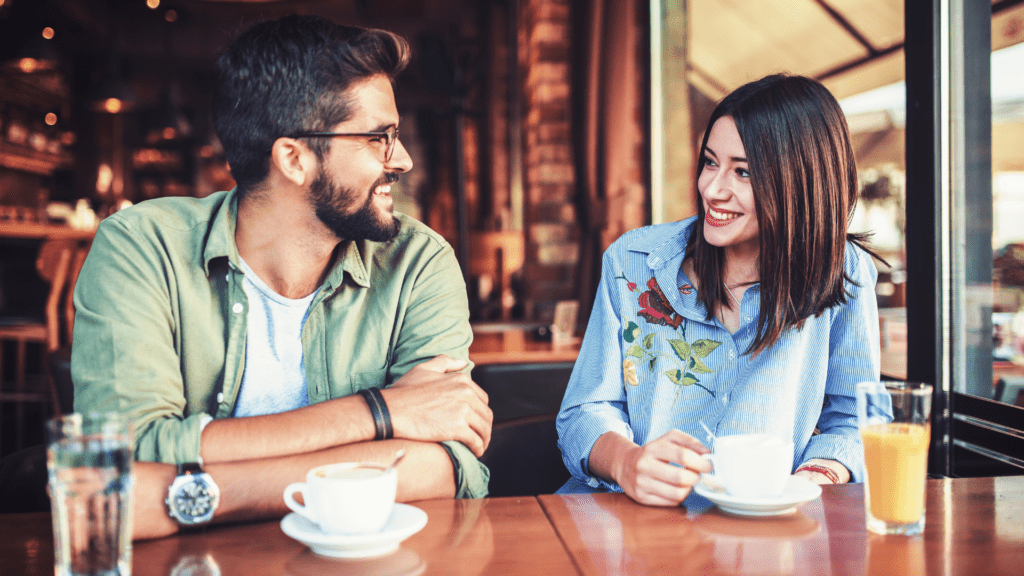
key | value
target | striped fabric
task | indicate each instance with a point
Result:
(650, 362)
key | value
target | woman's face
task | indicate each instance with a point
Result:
(730, 217)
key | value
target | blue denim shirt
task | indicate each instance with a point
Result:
(650, 362)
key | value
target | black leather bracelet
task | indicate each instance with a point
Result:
(379, 411)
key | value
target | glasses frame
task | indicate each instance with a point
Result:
(391, 134)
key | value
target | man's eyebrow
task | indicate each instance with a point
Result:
(384, 127)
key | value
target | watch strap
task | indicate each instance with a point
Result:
(190, 468)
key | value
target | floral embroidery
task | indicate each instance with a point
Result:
(688, 358)
(629, 373)
(654, 307)
(630, 285)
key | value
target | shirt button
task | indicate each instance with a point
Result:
(220, 397)
(237, 308)
(725, 399)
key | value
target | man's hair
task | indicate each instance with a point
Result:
(804, 180)
(291, 75)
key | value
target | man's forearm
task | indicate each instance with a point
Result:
(253, 489)
(312, 428)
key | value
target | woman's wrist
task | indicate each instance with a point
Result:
(824, 471)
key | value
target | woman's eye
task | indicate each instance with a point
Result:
(743, 173)
(708, 161)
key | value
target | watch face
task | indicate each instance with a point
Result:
(194, 501)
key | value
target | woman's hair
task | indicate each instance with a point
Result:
(804, 180)
(291, 75)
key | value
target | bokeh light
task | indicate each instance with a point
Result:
(51, 119)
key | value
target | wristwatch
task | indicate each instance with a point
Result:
(193, 496)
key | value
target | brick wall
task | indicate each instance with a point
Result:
(549, 219)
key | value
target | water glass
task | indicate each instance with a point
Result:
(895, 453)
(89, 461)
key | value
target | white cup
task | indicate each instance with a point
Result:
(752, 465)
(346, 498)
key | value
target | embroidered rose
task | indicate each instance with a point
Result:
(654, 307)
(630, 285)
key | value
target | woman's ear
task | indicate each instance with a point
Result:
(293, 160)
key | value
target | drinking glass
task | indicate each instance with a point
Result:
(895, 453)
(89, 461)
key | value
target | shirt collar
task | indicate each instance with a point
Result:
(220, 243)
(663, 244)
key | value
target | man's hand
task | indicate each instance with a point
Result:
(435, 402)
(650, 475)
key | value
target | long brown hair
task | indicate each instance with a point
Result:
(804, 179)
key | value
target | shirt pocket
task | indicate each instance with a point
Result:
(363, 380)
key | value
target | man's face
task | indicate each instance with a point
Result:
(351, 193)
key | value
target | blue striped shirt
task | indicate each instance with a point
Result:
(650, 362)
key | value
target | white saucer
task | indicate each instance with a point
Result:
(798, 490)
(405, 521)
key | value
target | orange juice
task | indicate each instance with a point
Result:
(896, 458)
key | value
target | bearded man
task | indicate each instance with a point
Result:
(295, 320)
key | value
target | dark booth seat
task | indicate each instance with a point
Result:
(523, 456)
(518, 390)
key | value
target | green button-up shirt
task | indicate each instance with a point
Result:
(160, 322)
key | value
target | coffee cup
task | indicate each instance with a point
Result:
(752, 465)
(346, 498)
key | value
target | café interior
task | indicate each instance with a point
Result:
(542, 130)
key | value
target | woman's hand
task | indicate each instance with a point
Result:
(660, 473)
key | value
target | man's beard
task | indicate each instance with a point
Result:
(366, 223)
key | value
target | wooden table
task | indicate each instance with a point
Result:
(975, 526)
(516, 346)
(490, 536)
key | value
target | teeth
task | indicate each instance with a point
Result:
(722, 215)
(386, 189)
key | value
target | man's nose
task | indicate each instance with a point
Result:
(400, 159)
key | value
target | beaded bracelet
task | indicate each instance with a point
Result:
(823, 470)
(379, 411)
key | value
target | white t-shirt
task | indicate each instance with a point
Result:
(274, 379)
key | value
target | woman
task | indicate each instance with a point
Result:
(757, 315)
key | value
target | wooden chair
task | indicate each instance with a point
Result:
(52, 264)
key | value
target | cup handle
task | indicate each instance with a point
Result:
(289, 500)
(712, 484)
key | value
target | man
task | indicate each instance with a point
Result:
(295, 320)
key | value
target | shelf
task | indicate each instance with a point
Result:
(28, 160)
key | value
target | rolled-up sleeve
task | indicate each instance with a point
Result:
(853, 358)
(435, 322)
(595, 399)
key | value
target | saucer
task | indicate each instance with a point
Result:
(404, 521)
(798, 490)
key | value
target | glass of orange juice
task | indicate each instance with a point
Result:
(895, 430)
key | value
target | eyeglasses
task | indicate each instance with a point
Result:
(390, 137)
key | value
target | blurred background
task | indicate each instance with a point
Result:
(541, 130)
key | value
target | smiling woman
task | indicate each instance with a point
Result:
(759, 314)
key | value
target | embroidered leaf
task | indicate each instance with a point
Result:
(689, 379)
(701, 348)
(676, 376)
(652, 363)
(681, 348)
(649, 341)
(635, 351)
(630, 333)
(699, 367)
